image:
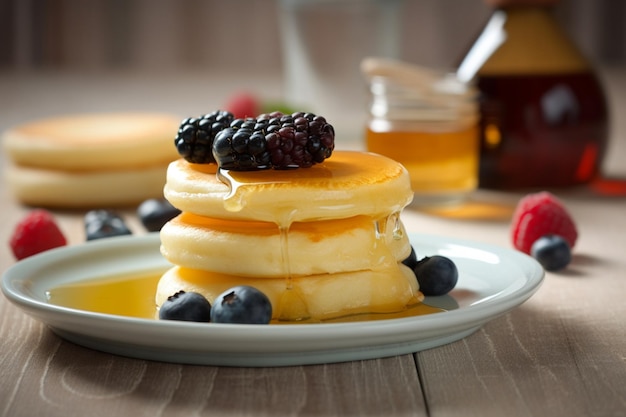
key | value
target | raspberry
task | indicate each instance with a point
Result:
(36, 233)
(538, 215)
(194, 140)
(274, 140)
(243, 105)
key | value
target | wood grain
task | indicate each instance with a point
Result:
(503, 370)
(44, 375)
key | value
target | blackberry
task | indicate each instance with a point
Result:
(194, 140)
(239, 147)
(274, 140)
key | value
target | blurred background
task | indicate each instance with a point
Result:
(220, 34)
(189, 56)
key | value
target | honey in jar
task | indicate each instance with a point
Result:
(432, 131)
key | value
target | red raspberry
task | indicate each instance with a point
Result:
(541, 214)
(243, 105)
(36, 233)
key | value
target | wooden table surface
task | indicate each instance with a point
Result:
(562, 353)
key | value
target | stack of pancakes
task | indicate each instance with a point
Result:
(90, 160)
(321, 242)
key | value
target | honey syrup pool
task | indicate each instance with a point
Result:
(133, 296)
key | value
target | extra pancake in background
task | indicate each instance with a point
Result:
(90, 160)
(88, 189)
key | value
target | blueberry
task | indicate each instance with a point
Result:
(186, 306)
(243, 305)
(552, 252)
(154, 213)
(104, 223)
(437, 275)
(411, 260)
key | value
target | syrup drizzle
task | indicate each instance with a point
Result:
(292, 306)
(397, 232)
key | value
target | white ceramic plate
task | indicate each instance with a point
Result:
(492, 281)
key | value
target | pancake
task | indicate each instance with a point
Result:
(256, 248)
(322, 242)
(345, 185)
(96, 189)
(319, 297)
(93, 142)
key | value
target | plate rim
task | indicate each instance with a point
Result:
(361, 343)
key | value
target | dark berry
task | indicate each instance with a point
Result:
(437, 275)
(240, 148)
(243, 305)
(104, 223)
(552, 252)
(154, 213)
(194, 140)
(274, 140)
(411, 260)
(186, 306)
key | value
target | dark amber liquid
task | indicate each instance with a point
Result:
(541, 130)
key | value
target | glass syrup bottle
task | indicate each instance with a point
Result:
(544, 116)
